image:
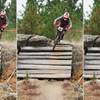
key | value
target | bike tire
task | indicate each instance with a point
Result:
(0, 35)
(56, 41)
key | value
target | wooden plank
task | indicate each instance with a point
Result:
(43, 71)
(67, 75)
(92, 57)
(24, 66)
(50, 49)
(94, 62)
(63, 44)
(96, 72)
(87, 67)
(46, 57)
(93, 54)
(45, 54)
(91, 76)
(94, 49)
(45, 62)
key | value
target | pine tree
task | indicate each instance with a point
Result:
(92, 25)
(11, 13)
(31, 19)
(2, 2)
(39, 16)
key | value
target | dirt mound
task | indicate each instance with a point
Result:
(92, 90)
(7, 73)
(7, 84)
(34, 89)
(8, 77)
(32, 40)
(5, 92)
(8, 51)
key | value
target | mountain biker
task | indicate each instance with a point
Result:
(63, 23)
(3, 20)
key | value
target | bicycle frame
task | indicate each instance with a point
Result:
(58, 38)
(1, 31)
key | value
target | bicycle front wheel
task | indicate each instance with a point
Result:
(57, 39)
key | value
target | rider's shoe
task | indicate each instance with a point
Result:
(62, 42)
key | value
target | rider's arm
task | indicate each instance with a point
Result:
(70, 23)
(56, 22)
(69, 26)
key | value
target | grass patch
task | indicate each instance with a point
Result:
(75, 35)
(9, 36)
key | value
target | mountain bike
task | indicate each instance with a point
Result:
(1, 31)
(59, 36)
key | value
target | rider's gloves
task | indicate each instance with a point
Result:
(60, 29)
(2, 30)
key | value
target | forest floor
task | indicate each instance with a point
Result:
(5, 77)
(34, 89)
(8, 83)
(92, 90)
(8, 77)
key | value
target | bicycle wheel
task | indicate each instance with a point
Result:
(57, 39)
(0, 35)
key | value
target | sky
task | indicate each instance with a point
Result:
(20, 8)
(7, 2)
(86, 3)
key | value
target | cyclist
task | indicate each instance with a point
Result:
(3, 21)
(63, 23)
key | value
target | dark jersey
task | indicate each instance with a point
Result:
(3, 21)
(64, 23)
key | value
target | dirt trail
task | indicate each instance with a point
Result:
(46, 90)
(92, 90)
(53, 91)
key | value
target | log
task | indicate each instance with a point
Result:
(45, 71)
(45, 54)
(45, 62)
(46, 57)
(67, 75)
(45, 49)
(31, 66)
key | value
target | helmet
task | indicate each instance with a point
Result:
(2, 13)
(66, 15)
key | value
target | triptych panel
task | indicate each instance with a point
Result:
(49, 49)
